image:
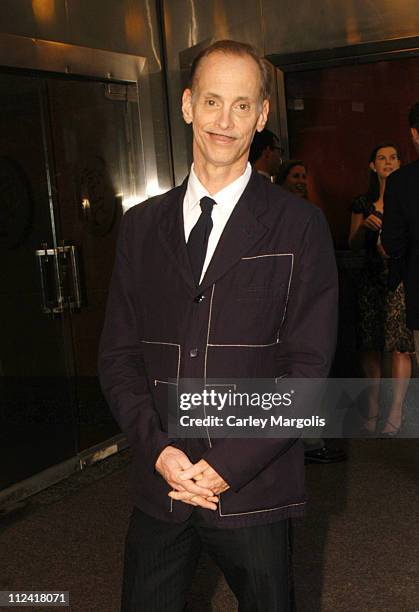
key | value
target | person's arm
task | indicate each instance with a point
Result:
(359, 226)
(357, 232)
(121, 367)
(307, 347)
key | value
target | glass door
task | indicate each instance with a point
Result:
(70, 154)
(37, 427)
(95, 142)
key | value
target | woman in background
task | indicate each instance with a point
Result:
(293, 176)
(381, 318)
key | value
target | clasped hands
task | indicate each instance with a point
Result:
(183, 476)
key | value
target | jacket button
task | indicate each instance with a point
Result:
(193, 352)
(199, 298)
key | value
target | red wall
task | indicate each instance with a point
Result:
(344, 113)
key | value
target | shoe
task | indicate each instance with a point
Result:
(324, 455)
(394, 432)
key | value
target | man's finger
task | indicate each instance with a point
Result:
(176, 485)
(184, 495)
(185, 462)
(194, 471)
(191, 487)
(195, 500)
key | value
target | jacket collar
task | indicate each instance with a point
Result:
(243, 230)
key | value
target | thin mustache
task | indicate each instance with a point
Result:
(223, 135)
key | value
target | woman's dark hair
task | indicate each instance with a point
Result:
(373, 191)
(286, 169)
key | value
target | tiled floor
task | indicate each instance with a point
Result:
(355, 551)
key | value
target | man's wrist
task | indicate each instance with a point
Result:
(171, 444)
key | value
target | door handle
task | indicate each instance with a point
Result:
(60, 279)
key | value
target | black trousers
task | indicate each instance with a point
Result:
(161, 558)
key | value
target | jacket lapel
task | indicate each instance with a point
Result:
(243, 230)
(172, 233)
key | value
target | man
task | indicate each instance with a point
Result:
(226, 276)
(266, 153)
(400, 233)
(293, 177)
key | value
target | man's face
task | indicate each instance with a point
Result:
(275, 153)
(225, 109)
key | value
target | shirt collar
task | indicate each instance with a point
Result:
(231, 193)
(266, 174)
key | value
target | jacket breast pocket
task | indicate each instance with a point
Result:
(253, 300)
(265, 276)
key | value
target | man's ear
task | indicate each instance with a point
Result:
(187, 106)
(415, 135)
(263, 117)
(372, 166)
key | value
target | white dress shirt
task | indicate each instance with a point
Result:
(265, 174)
(226, 200)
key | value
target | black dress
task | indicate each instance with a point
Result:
(381, 320)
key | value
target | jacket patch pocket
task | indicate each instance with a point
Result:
(263, 276)
(161, 360)
(254, 300)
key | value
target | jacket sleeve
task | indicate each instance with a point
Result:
(121, 366)
(394, 233)
(307, 345)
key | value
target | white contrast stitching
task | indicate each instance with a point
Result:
(166, 382)
(286, 299)
(262, 346)
(206, 355)
(178, 358)
(247, 345)
(157, 342)
(257, 511)
(163, 382)
(288, 292)
(269, 255)
(221, 385)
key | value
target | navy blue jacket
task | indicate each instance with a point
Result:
(400, 235)
(269, 309)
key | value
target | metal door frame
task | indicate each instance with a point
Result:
(364, 53)
(34, 54)
(351, 54)
(45, 58)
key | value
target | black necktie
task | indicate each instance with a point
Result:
(198, 238)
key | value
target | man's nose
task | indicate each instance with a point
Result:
(224, 119)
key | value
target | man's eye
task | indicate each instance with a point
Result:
(243, 106)
(211, 102)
